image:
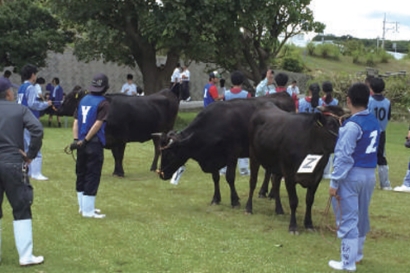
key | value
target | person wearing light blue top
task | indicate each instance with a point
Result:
(309, 103)
(353, 178)
(27, 95)
(381, 109)
(266, 86)
(328, 100)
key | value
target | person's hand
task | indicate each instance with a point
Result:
(407, 143)
(333, 192)
(49, 102)
(77, 144)
(25, 158)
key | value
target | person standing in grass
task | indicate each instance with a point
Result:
(89, 140)
(309, 103)
(353, 178)
(381, 108)
(14, 182)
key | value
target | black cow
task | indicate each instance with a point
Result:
(280, 141)
(217, 137)
(133, 119)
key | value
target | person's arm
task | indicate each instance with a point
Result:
(213, 91)
(345, 146)
(261, 88)
(102, 114)
(32, 101)
(33, 125)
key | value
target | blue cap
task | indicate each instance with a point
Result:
(5, 84)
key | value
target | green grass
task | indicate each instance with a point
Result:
(153, 226)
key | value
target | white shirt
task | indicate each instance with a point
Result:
(38, 89)
(129, 89)
(185, 74)
(176, 75)
(292, 90)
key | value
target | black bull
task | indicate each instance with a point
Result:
(217, 137)
(132, 119)
(280, 141)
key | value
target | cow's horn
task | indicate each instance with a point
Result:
(156, 134)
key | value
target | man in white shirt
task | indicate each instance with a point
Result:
(176, 75)
(185, 77)
(293, 89)
(129, 88)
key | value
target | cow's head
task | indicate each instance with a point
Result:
(330, 118)
(173, 154)
(71, 101)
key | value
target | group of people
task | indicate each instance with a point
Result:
(20, 156)
(182, 76)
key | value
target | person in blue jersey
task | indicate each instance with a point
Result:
(327, 100)
(353, 178)
(89, 140)
(309, 103)
(211, 90)
(236, 92)
(266, 86)
(56, 97)
(27, 96)
(381, 108)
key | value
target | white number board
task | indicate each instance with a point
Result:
(309, 163)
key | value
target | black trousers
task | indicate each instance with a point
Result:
(185, 90)
(19, 192)
(88, 167)
(381, 159)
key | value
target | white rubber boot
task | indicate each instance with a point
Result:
(384, 177)
(80, 200)
(23, 236)
(359, 256)
(36, 169)
(243, 164)
(88, 207)
(348, 253)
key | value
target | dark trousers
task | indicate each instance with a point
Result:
(381, 159)
(88, 167)
(19, 191)
(185, 90)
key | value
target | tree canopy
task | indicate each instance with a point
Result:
(28, 32)
(239, 34)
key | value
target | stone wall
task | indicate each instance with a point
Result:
(72, 72)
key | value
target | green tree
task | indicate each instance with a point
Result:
(27, 33)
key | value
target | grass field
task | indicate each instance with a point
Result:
(153, 226)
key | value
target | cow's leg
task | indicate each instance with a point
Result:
(216, 200)
(265, 185)
(293, 202)
(157, 151)
(118, 153)
(276, 181)
(310, 198)
(230, 178)
(252, 184)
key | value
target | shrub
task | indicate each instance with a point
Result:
(311, 48)
(370, 59)
(329, 51)
(356, 56)
(293, 63)
(383, 56)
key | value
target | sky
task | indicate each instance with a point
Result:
(363, 18)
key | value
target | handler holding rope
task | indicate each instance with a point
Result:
(353, 179)
(89, 140)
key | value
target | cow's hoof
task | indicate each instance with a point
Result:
(237, 206)
(261, 195)
(271, 197)
(118, 175)
(247, 212)
(310, 229)
(215, 203)
(280, 212)
(293, 232)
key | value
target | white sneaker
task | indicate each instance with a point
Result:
(339, 266)
(94, 215)
(97, 211)
(244, 172)
(39, 177)
(32, 261)
(402, 188)
(177, 175)
(326, 176)
(388, 188)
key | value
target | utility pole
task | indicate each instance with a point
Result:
(395, 28)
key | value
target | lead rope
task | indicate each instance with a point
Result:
(325, 217)
(69, 152)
